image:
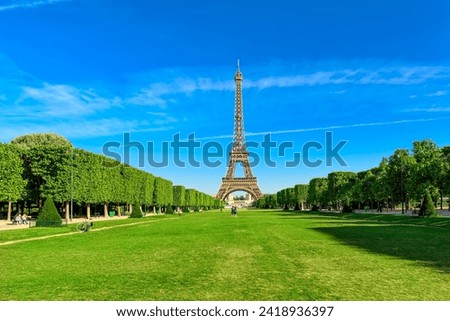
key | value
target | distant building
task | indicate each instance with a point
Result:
(246, 201)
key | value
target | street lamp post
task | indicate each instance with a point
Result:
(71, 184)
(401, 187)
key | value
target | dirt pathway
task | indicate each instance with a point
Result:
(77, 232)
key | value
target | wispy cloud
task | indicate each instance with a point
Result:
(161, 93)
(28, 4)
(86, 128)
(63, 101)
(302, 130)
(383, 76)
(156, 94)
(438, 93)
(427, 110)
(159, 118)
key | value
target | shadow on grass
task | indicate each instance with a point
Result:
(424, 246)
(378, 218)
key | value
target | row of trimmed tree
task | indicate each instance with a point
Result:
(405, 179)
(37, 166)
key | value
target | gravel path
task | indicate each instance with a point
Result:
(77, 232)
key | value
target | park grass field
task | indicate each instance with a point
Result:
(260, 255)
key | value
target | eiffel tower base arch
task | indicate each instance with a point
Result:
(230, 185)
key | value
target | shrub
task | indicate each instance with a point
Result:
(169, 209)
(136, 211)
(347, 208)
(427, 209)
(48, 214)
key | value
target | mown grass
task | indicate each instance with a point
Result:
(260, 255)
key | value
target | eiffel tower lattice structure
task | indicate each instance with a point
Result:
(239, 153)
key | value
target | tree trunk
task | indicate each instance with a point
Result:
(154, 210)
(119, 213)
(442, 201)
(130, 209)
(105, 210)
(88, 211)
(67, 210)
(9, 211)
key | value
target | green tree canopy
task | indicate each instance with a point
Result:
(12, 185)
(39, 140)
(300, 195)
(427, 172)
(179, 195)
(318, 192)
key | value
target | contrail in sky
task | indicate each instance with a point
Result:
(29, 4)
(302, 130)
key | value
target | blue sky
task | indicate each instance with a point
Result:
(374, 73)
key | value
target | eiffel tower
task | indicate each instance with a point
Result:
(239, 153)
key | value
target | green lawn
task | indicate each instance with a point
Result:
(260, 255)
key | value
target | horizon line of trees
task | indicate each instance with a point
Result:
(402, 179)
(36, 166)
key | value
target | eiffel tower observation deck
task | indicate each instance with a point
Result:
(239, 153)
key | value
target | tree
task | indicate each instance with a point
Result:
(300, 196)
(47, 171)
(179, 197)
(339, 187)
(318, 192)
(149, 187)
(363, 190)
(190, 198)
(136, 211)
(50, 167)
(268, 201)
(381, 188)
(48, 214)
(272, 201)
(427, 171)
(41, 139)
(399, 169)
(286, 198)
(12, 185)
(427, 209)
(445, 176)
(163, 192)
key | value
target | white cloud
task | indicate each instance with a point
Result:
(438, 93)
(64, 101)
(383, 76)
(28, 4)
(427, 110)
(156, 94)
(159, 93)
(86, 128)
(159, 118)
